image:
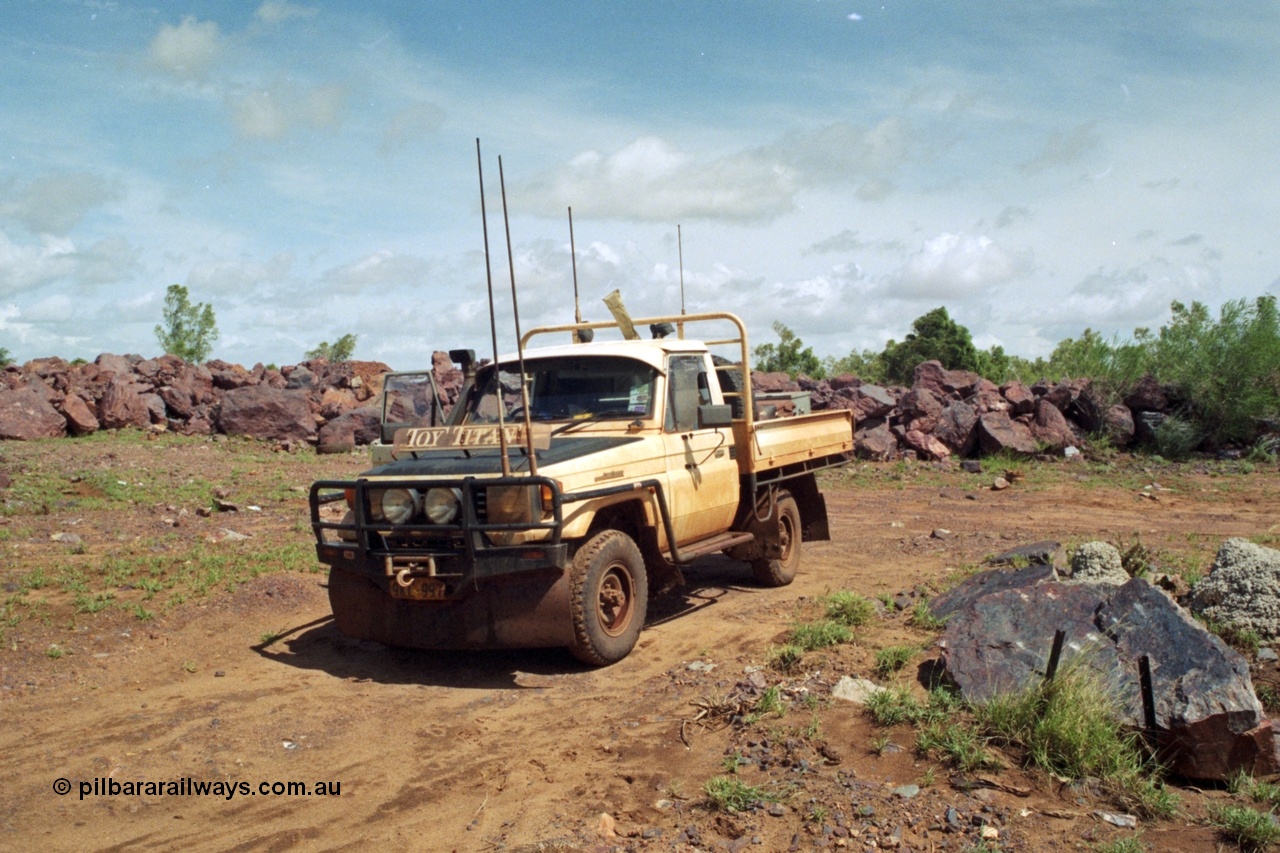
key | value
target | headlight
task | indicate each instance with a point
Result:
(394, 505)
(510, 504)
(441, 505)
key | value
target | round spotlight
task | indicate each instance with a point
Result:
(441, 505)
(399, 505)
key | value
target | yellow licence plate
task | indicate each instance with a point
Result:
(419, 589)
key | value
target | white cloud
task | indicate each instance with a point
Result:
(278, 11)
(245, 278)
(27, 266)
(187, 50)
(841, 152)
(1138, 295)
(608, 187)
(651, 180)
(274, 112)
(393, 275)
(257, 115)
(54, 308)
(956, 265)
(11, 323)
(1064, 149)
(849, 240)
(55, 203)
(108, 261)
(413, 123)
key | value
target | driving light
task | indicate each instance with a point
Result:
(441, 505)
(394, 505)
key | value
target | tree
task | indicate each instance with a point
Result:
(934, 337)
(866, 365)
(339, 350)
(787, 355)
(5, 358)
(995, 364)
(189, 330)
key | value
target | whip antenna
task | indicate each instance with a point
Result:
(515, 310)
(680, 251)
(493, 325)
(573, 255)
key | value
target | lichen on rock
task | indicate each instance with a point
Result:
(1097, 562)
(1242, 589)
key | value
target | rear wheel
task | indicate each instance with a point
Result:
(608, 598)
(781, 544)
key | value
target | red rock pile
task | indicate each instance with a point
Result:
(957, 412)
(51, 397)
(943, 413)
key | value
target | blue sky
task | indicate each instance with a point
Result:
(309, 168)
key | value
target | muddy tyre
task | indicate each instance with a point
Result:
(608, 598)
(782, 539)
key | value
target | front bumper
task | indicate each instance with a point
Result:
(424, 561)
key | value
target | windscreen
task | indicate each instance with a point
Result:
(576, 388)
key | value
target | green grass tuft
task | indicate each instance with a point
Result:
(1071, 727)
(808, 636)
(849, 608)
(892, 659)
(730, 794)
(1249, 828)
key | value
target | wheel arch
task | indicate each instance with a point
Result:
(812, 505)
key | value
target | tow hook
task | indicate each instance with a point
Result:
(404, 577)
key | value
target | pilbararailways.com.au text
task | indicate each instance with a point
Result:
(188, 787)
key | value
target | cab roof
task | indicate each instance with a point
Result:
(652, 352)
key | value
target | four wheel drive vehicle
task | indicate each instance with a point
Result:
(570, 481)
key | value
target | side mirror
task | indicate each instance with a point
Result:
(715, 416)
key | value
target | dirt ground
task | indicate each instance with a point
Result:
(147, 639)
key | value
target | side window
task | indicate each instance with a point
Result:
(686, 388)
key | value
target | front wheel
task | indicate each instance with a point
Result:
(781, 544)
(608, 598)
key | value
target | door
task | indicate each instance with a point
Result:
(701, 472)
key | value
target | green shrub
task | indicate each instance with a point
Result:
(1226, 369)
(1176, 437)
